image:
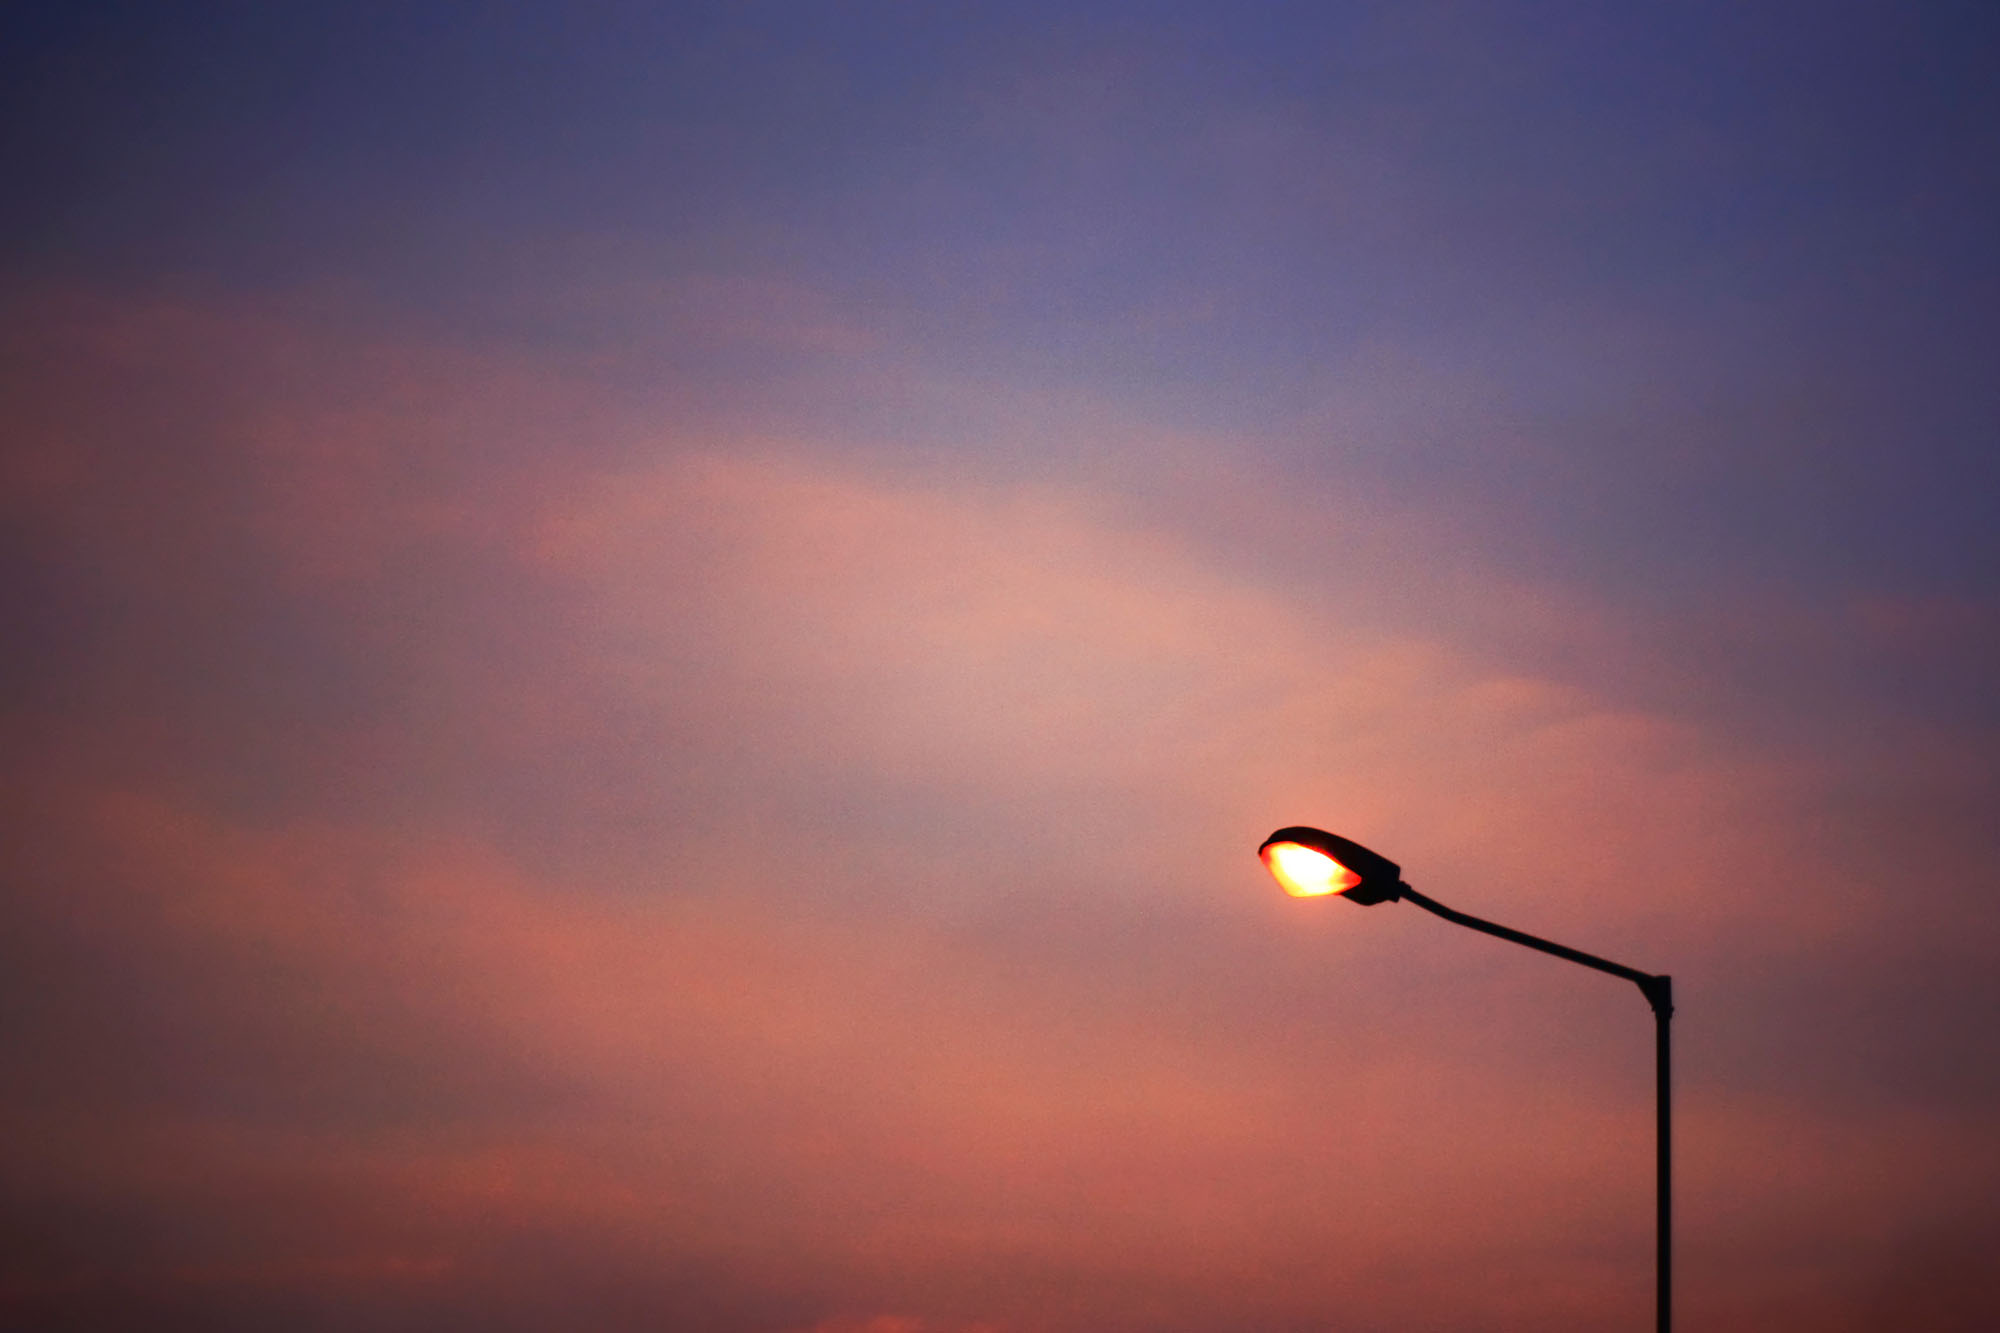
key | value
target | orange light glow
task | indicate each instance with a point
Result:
(1306, 872)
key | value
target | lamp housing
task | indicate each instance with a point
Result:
(1356, 874)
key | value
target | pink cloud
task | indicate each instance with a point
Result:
(835, 875)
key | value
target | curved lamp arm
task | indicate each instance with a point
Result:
(1659, 991)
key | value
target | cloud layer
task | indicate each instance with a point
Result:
(486, 851)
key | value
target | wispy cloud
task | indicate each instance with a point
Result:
(485, 839)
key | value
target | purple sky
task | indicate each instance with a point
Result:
(648, 645)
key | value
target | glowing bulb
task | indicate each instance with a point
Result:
(1306, 872)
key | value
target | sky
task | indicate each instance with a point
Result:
(648, 644)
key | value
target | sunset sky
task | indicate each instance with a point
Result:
(647, 645)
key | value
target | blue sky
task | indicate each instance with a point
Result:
(652, 641)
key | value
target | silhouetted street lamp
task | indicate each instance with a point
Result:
(1310, 863)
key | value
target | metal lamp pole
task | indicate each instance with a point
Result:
(1659, 992)
(1309, 862)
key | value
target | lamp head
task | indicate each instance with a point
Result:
(1311, 863)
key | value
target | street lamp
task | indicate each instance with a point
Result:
(1311, 863)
